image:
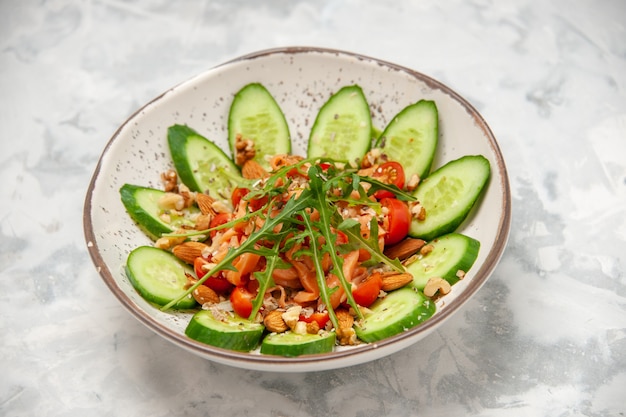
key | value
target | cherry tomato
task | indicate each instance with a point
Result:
(319, 317)
(217, 283)
(366, 292)
(241, 300)
(218, 220)
(237, 194)
(390, 172)
(398, 218)
(254, 204)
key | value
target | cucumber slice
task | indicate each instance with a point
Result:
(142, 204)
(255, 115)
(397, 312)
(343, 127)
(411, 138)
(293, 344)
(201, 164)
(451, 253)
(448, 195)
(229, 331)
(158, 276)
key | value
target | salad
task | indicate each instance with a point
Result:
(297, 254)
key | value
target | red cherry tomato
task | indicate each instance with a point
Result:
(241, 300)
(366, 292)
(398, 219)
(390, 172)
(254, 204)
(218, 220)
(217, 283)
(319, 317)
(237, 194)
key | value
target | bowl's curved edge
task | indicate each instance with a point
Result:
(337, 360)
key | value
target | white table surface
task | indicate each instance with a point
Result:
(545, 336)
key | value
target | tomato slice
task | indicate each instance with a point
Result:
(217, 283)
(390, 172)
(237, 194)
(366, 291)
(254, 204)
(241, 300)
(320, 317)
(398, 219)
(218, 220)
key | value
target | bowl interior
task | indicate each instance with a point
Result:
(301, 80)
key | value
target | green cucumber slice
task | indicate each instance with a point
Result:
(411, 138)
(201, 164)
(343, 127)
(448, 195)
(293, 344)
(397, 312)
(255, 115)
(158, 276)
(227, 330)
(451, 253)
(142, 204)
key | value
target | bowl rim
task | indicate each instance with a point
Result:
(335, 359)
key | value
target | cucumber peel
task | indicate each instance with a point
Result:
(397, 312)
(343, 127)
(451, 253)
(294, 344)
(141, 203)
(448, 195)
(411, 138)
(159, 277)
(254, 115)
(201, 164)
(226, 330)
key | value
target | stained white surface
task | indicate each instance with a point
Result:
(545, 336)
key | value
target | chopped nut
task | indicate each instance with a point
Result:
(251, 169)
(187, 195)
(203, 221)
(426, 249)
(220, 207)
(299, 328)
(203, 294)
(244, 150)
(413, 182)
(460, 274)
(345, 333)
(436, 285)
(312, 327)
(291, 316)
(418, 211)
(371, 158)
(171, 201)
(170, 180)
(189, 251)
(168, 242)
(274, 322)
(404, 249)
(394, 280)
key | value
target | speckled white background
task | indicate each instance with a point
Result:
(545, 336)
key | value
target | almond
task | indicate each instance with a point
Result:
(205, 204)
(394, 280)
(203, 294)
(274, 322)
(189, 251)
(251, 169)
(404, 249)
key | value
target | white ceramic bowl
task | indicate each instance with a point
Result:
(301, 79)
